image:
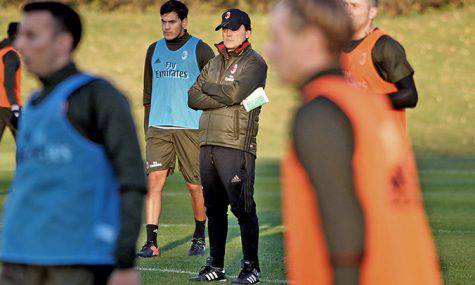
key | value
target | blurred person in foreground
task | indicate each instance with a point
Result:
(352, 206)
(376, 62)
(172, 65)
(228, 144)
(73, 212)
(10, 82)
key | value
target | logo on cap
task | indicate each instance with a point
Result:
(228, 15)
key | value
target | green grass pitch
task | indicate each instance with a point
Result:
(449, 195)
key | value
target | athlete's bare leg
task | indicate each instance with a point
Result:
(153, 206)
(197, 201)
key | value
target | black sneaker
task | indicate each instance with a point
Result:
(198, 247)
(210, 273)
(248, 275)
(149, 249)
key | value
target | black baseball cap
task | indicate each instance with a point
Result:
(233, 19)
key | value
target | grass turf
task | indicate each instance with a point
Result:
(449, 195)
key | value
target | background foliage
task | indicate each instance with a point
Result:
(392, 7)
(440, 46)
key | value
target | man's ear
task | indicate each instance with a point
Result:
(313, 41)
(184, 23)
(248, 34)
(373, 12)
(65, 42)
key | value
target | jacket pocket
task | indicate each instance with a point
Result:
(236, 124)
(203, 127)
(203, 123)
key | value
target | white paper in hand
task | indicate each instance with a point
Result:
(257, 98)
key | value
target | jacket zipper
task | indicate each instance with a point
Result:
(250, 126)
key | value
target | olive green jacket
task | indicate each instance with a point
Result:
(222, 85)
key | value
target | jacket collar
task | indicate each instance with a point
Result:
(235, 53)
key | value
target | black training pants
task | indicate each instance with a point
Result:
(227, 176)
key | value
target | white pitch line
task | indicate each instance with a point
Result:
(263, 227)
(455, 232)
(230, 226)
(259, 194)
(178, 271)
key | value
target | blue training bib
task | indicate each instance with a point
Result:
(63, 207)
(174, 72)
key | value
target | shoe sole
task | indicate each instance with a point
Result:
(141, 256)
(237, 282)
(201, 254)
(222, 280)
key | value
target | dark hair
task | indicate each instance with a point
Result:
(12, 29)
(66, 18)
(174, 6)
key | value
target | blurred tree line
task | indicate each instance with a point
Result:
(392, 7)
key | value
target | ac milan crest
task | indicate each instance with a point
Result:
(234, 69)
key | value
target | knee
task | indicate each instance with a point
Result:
(156, 181)
(194, 189)
(212, 212)
(243, 216)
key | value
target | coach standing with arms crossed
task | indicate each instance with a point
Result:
(228, 144)
(73, 212)
(352, 206)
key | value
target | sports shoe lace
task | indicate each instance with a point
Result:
(207, 268)
(196, 245)
(246, 270)
(146, 245)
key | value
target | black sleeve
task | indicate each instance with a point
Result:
(203, 54)
(115, 122)
(11, 61)
(390, 60)
(147, 84)
(116, 130)
(131, 202)
(406, 96)
(102, 114)
(324, 143)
